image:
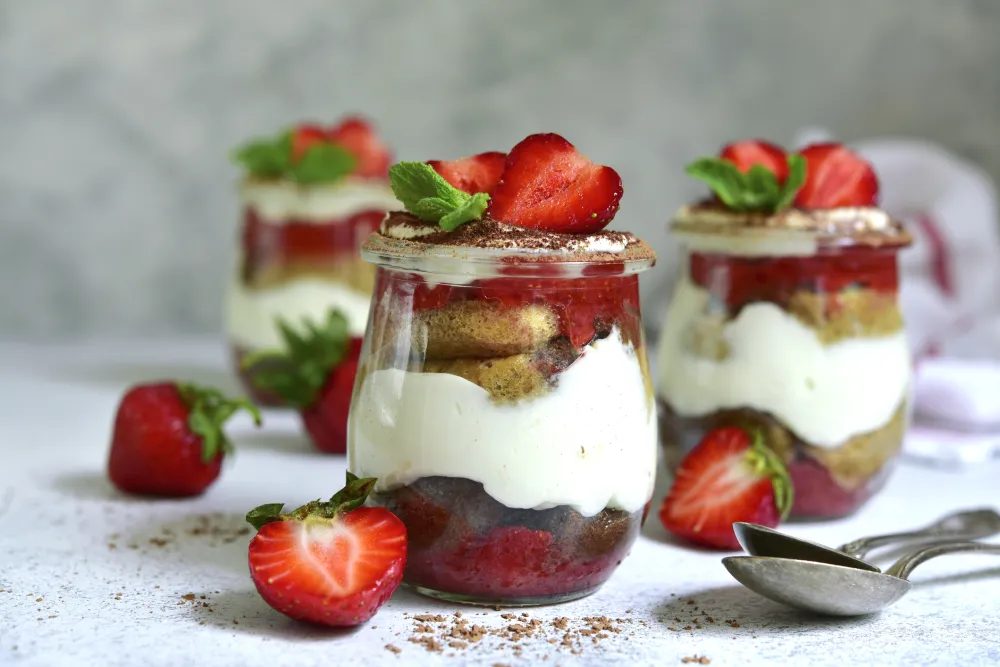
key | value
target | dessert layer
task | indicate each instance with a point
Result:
(350, 270)
(773, 363)
(589, 443)
(481, 329)
(251, 314)
(281, 201)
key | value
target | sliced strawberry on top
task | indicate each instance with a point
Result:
(728, 477)
(548, 185)
(358, 137)
(333, 563)
(745, 154)
(836, 176)
(305, 137)
(478, 173)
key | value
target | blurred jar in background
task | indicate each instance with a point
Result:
(310, 197)
(790, 322)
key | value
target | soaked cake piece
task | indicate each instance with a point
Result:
(482, 329)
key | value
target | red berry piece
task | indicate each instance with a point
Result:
(305, 137)
(745, 154)
(358, 137)
(479, 173)
(835, 177)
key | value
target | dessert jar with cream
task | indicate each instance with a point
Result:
(310, 196)
(504, 400)
(786, 318)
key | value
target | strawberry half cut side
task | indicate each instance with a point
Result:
(836, 177)
(730, 476)
(332, 563)
(745, 154)
(478, 173)
(547, 184)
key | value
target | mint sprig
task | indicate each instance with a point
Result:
(428, 196)
(756, 190)
(272, 158)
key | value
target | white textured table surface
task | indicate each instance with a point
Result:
(89, 576)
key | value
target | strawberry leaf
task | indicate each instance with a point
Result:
(298, 373)
(209, 411)
(348, 499)
(765, 463)
(427, 195)
(262, 515)
(756, 190)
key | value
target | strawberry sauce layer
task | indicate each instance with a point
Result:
(741, 280)
(463, 542)
(266, 244)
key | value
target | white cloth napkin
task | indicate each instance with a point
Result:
(950, 290)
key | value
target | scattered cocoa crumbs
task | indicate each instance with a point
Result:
(698, 659)
(688, 627)
(188, 597)
(158, 542)
(734, 625)
(508, 616)
(430, 618)
(393, 648)
(456, 643)
(39, 599)
(561, 622)
(428, 643)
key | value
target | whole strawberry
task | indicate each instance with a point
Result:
(729, 476)
(168, 438)
(315, 375)
(333, 563)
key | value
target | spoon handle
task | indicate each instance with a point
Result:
(905, 565)
(968, 525)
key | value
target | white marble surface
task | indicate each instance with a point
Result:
(69, 599)
(117, 211)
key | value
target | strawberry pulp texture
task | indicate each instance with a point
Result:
(739, 281)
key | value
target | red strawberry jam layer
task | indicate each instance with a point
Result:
(740, 280)
(854, 472)
(297, 241)
(586, 307)
(267, 399)
(466, 545)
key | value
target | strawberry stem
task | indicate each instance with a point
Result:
(349, 498)
(209, 411)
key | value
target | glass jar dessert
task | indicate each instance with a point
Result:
(310, 197)
(786, 318)
(504, 400)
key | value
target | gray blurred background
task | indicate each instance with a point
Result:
(117, 209)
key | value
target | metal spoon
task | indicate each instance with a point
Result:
(836, 590)
(762, 541)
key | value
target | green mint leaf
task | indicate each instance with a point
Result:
(796, 179)
(265, 158)
(722, 176)
(323, 163)
(428, 196)
(260, 516)
(472, 209)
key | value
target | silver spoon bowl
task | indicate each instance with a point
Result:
(837, 590)
(759, 540)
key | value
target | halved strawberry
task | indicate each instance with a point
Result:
(728, 477)
(745, 154)
(836, 176)
(546, 184)
(478, 173)
(333, 563)
(305, 137)
(359, 139)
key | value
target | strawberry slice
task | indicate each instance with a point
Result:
(745, 154)
(478, 173)
(548, 185)
(305, 137)
(836, 176)
(358, 137)
(729, 476)
(333, 563)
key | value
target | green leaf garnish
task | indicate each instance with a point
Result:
(298, 373)
(349, 498)
(428, 196)
(756, 190)
(272, 158)
(765, 463)
(209, 411)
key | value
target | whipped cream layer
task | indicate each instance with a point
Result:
(280, 201)
(825, 394)
(251, 315)
(590, 443)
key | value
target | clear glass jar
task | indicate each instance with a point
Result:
(791, 323)
(505, 406)
(298, 258)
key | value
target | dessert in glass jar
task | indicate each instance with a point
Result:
(786, 317)
(310, 197)
(504, 400)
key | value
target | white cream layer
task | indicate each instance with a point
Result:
(826, 394)
(590, 443)
(281, 201)
(251, 314)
